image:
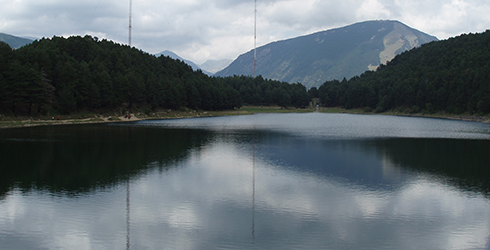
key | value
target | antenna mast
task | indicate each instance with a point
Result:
(130, 12)
(255, 40)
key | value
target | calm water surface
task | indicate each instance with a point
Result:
(268, 181)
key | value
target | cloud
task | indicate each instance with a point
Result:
(445, 19)
(373, 9)
(216, 29)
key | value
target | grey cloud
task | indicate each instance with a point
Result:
(198, 30)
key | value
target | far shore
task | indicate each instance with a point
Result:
(440, 115)
(92, 118)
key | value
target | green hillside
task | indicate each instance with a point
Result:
(332, 54)
(451, 75)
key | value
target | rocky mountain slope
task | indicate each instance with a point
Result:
(332, 54)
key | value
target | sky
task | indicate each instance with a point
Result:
(224, 29)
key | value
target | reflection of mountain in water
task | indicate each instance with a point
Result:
(349, 160)
(378, 163)
(79, 158)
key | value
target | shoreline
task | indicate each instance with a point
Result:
(439, 115)
(247, 110)
(21, 122)
(468, 118)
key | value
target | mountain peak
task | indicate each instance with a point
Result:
(170, 54)
(331, 54)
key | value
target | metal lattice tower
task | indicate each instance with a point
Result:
(130, 14)
(255, 40)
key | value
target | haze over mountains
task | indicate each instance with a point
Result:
(177, 57)
(214, 66)
(332, 54)
(209, 67)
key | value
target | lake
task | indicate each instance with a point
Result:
(265, 181)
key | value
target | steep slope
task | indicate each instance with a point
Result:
(13, 41)
(332, 54)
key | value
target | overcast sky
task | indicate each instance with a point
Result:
(223, 29)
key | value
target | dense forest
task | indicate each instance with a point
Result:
(67, 75)
(451, 76)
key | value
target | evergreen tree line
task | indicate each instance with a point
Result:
(260, 91)
(451, 76)
(84, 73)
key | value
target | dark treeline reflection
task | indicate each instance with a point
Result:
(465, 163)
(76, 158)
(80, 158)
(378, 163)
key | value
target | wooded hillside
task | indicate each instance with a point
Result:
(67, 75)
(451, 75)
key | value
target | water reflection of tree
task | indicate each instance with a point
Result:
(72, 159)
(463, 163)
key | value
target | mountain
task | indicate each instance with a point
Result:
(332, 54)
(177, 57)
(13, 41)
(214, 66)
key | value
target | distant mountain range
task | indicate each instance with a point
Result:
(332, 54)
(214, 66)
(13, 41)
(209, 67)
